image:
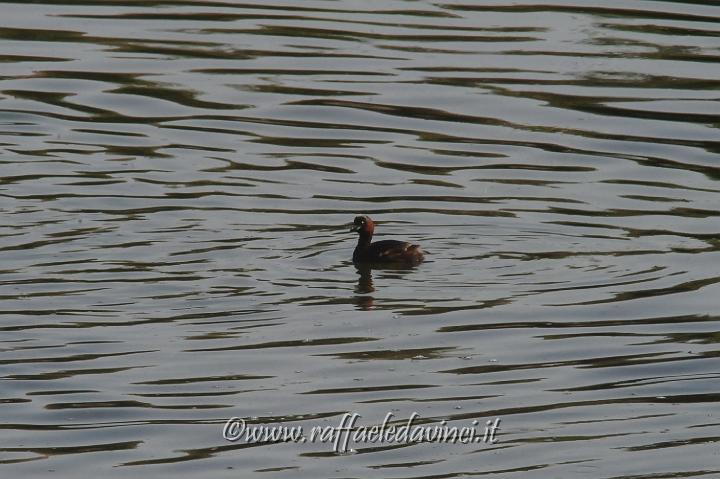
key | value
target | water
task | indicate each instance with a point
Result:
(177, 182)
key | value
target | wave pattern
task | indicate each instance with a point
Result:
(176, 180)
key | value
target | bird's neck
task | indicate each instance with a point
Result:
(364, 240)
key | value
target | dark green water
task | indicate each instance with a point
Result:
(176, 180)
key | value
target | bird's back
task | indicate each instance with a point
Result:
(391, 251)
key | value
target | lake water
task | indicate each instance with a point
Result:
(176, 183)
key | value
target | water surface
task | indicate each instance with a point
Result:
(176, 183)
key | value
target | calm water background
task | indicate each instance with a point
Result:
(176, 180)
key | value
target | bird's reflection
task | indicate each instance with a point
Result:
(365, 279)
(365, 285)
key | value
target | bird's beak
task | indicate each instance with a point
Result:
(354, 228)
